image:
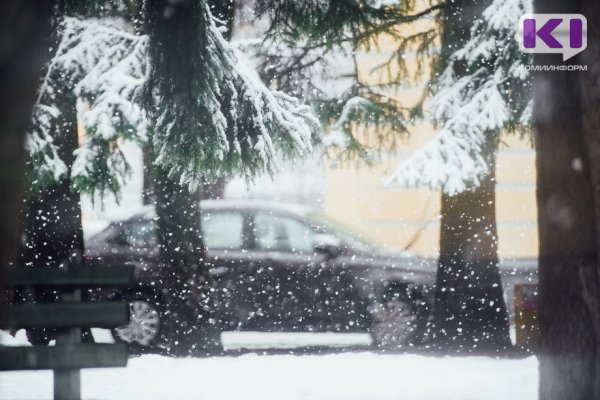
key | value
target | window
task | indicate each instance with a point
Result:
(279, 233)
(140, 233)
(223, 229)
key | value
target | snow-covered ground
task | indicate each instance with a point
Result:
(343, 376)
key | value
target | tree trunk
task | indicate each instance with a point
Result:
(182, 254)
(24, 31)
(52, 229)
(568, 172)
(469, 313)
(182, 251)
(567, 238)
(469, 310)
(148, 196)
(590, 103)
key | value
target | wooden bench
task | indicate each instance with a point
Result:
(68, 316)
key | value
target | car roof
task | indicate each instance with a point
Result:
(299, 210)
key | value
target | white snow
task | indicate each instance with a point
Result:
(20, 339)
(347, 376)
(360, 376)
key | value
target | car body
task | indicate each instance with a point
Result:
(282, 267)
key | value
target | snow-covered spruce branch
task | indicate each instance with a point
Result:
(358, 121)
(362, 127)
(251, 125)
(102, 65)
(44, 158)
(491, 93)
(108, 69)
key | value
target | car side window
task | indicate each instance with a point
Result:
(137, 234)
(274, 232)
(223, 230)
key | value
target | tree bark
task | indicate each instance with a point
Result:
(568, 171)
(24, 32)
(186, 281)
(590, 103)
(148, 196)
(469, 310)
(567, 238)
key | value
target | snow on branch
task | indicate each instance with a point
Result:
(240, 126)
(48, 166)
(483, 90)
(363, 126)
(243, 124)
(99, 63)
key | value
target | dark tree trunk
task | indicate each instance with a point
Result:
(24, 32)
(567, 127)
(590, 104)
(470, 313)
(148, 196)
(469, 310)
(52, 231)
(182, 255)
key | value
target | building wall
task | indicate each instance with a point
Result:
(409, 217)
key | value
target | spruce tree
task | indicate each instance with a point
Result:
(210, 116)
(482, 92)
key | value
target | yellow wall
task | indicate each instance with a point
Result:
(393, 216)
(398, 216)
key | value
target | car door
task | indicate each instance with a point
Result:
(305, 281)
(232, 268)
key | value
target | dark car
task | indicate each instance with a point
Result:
(279, 267)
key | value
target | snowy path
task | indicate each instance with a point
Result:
(347, 376)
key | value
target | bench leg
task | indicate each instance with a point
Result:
(67, 382)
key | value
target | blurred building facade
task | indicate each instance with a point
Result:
(408, 218)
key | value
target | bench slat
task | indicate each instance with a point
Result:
(65, 356)
(86, 276)
(66, 315)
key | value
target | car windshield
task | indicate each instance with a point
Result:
(347, 235)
